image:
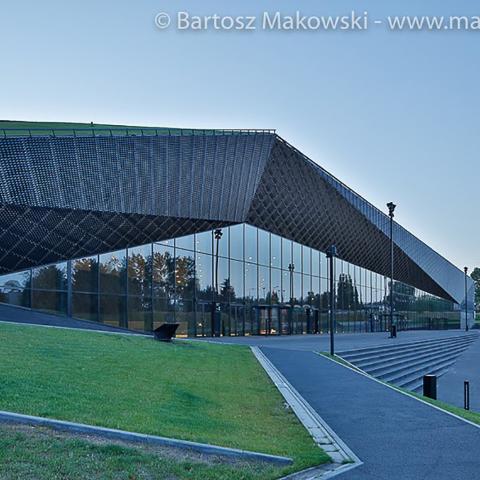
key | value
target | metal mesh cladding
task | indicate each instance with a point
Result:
(64, 197)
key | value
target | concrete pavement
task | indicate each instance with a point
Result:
(467, 367)
(396, 436)
(343, 341)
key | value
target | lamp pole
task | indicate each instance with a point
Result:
(218, 235)
(465, 269)
(331, 254)
(291, 268)
(391, 208)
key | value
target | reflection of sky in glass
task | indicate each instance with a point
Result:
(263, 247)
(186, 242)
(236, 242)
(250, 244)
(203, 242)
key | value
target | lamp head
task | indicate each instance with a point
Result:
(331, 251)
(391, 208)
(218, 234)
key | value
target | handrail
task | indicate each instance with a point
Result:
(123, 132)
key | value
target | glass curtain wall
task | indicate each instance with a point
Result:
(267, 285)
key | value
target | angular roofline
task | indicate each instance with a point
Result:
(363, 199)
(19, 129)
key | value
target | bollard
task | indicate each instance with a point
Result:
(393, 331)
(430, 386)
(466, 395)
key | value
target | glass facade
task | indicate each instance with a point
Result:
(266, 285)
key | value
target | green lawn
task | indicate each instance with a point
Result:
(209, 393)
(22, 128)
(42, 454)
(474, 417)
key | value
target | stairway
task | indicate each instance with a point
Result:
(405, 364)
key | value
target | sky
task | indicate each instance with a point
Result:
(394, 115)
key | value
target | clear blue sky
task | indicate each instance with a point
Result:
(395, 115)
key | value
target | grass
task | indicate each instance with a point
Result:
(21, 128)
(210, 393)
(338, 359)
(42, 454)
(473, 417)
(67, 128)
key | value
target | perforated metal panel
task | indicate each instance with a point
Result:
(67, 197)
(299, 200)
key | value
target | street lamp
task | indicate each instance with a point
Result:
(218, 235)
(331, 254)
(391, 208)
(465, 269)
(291, 268)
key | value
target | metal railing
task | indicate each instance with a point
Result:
(123, 131)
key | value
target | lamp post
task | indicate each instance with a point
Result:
(218, 235)
(465, 269)
(331, 254)
(291, 268)
(391, 208)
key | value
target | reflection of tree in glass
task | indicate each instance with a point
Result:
(50, 278)
(185, 277)
(112, 275)
(403, 296)
(139, 275)
(163, 274)
(84, 275)
(347, 294)
(227, 292)
(476, 278)
(272, 298)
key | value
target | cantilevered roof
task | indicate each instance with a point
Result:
(71, 190)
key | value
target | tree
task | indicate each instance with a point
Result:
(476, 278)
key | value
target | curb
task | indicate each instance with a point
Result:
(343, 458)
(204, 448)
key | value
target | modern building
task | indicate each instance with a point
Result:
(133, 227)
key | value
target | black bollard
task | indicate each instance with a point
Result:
(430, 386)
(466, 395)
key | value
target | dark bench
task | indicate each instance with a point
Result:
(165, 332)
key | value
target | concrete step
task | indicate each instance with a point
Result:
(353, 355)
(374, 360)
(405, 364)
(403, 378)
(416, 385)
(408, 361)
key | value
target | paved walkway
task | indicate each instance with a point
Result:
(343, 341)
(467, 367)
(395, 436)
